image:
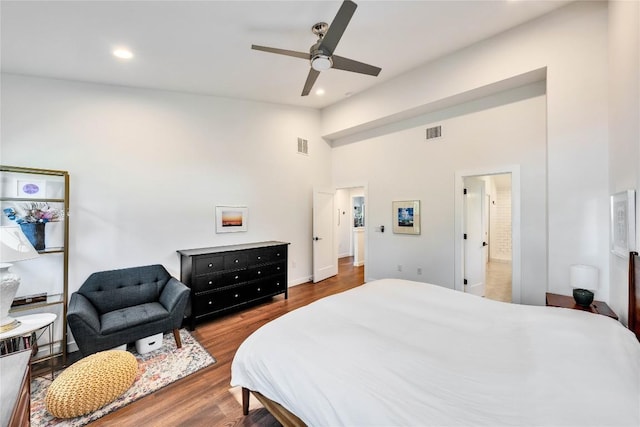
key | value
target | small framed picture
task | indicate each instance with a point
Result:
(33, 189)
(231, 219)
(406, 217)
(623, 223)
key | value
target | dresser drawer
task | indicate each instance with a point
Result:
(268, 287)
(235, 260)
(266, 270)
(214, 281)
(259, 256)
(215, 301)
(207, 264)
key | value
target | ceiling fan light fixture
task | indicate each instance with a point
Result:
(122, 53)
(321, 62)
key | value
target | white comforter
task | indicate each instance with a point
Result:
(400, 353)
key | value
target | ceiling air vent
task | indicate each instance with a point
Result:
(434, 132)
(303, 146)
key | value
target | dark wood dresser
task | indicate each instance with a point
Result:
(228, 277)
(15, 393)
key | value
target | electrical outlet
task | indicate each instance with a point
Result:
(399, 267)
(419, 270)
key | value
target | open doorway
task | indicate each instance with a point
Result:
(351, 210)
(487, 218)
(498, 219)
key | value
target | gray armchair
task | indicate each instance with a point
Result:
(118, 307)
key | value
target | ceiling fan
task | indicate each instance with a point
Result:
(321, 54)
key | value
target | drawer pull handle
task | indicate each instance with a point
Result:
(259, 257)
(210, 302)
(258, 289)
(259, 272)
(210, 265)
(236, 277)
(235, 296)
(211, 282)
(236, 261)
(278, 268)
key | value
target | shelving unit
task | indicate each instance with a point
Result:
(50, 271)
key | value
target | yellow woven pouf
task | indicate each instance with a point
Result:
(91, 383)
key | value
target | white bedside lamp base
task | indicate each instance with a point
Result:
(9, 283)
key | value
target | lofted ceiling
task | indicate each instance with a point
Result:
(204, 47)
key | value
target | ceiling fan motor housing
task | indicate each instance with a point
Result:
(320, 58)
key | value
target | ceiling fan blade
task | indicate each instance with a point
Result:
(311, 79)
(302, 55)
(337, 27)
(346, 64)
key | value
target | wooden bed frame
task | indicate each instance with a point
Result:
(634, 294)
(281, 414)
(286, 418)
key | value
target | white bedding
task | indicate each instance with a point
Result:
(399, 353)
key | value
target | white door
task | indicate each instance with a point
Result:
(325, 249)
(474, 236)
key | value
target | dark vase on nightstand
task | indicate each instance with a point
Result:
(583, 297)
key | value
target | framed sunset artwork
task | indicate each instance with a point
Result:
(231, 219)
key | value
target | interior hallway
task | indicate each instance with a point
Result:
(498, 281)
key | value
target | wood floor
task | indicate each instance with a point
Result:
(203, 399)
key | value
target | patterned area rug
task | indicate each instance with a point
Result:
(156, 369)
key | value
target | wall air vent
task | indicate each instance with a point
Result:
(434, 132)
(303, 146)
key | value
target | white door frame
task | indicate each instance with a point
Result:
(516, 262)
(367, 219)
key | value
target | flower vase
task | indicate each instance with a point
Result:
(35, 233)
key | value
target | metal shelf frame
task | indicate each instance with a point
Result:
(62, 297)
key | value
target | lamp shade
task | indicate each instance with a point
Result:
(584, 277)
(14, 245)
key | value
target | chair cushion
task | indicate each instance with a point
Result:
(126, 318)
(115, 289)
(113, 299)
(91, 383)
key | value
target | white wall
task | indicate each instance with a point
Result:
(148, 168)
(409, 167)
(571, 44)
(624, 123)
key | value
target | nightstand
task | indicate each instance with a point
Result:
(598, 307)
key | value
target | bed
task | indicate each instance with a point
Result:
(403, 353)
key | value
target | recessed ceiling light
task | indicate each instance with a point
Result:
(320, 92)
(122, 53)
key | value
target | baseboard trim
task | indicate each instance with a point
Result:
(299, 281)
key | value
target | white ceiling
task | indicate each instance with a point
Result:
(205, 46)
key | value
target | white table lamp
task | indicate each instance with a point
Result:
(584, 280)
(14, 246)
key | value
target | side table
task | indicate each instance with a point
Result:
(30, 324)
(598, 307)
